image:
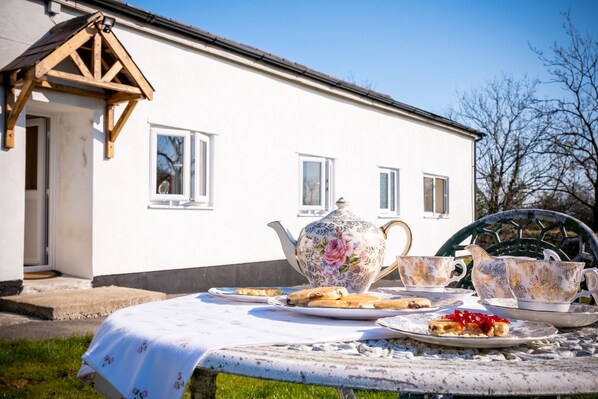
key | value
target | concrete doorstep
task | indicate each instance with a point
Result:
(77, 303)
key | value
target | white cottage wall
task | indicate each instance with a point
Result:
(261, 124)
(73, 192)
(261, 120)
(12, 202)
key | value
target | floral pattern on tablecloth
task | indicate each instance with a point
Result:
(151, 350)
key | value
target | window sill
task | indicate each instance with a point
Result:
(311, 214)
(189, 206)
(389, 216)
(436, 216)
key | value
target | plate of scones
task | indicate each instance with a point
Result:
(468, 329)
(338, 303)
(249, 294)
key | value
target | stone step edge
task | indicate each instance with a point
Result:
(96, 302)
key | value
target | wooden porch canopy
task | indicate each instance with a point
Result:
(80, 56)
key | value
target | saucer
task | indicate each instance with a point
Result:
(579, 314)
(457, 294)
(415, 326)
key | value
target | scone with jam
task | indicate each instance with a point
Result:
(469, 324)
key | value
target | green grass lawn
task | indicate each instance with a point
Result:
(47, 369)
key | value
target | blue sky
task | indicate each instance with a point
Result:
(420, 52)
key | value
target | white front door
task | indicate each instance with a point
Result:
(36, 205)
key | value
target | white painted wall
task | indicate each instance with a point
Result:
(12, 202)
(261, 123)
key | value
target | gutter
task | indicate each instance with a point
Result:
(267, 59)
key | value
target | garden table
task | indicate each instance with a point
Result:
(568, 365)
(565, 364)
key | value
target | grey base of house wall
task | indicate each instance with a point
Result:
(266, 274)
(8, 288)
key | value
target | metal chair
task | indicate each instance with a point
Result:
(526, 232)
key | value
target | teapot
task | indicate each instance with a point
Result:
(340, 249)
(489, 273)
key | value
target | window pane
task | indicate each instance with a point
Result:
(312, 183)
(31, 158)
(439, 200)
(393, 190)
(383, 190)
(428, 195)
(203, 168)
(169, 176)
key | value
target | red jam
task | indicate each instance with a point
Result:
(484, 321)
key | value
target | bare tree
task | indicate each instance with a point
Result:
(509, 171)
(573, 141)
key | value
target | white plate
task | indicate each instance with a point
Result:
(416, 326)
(578, 315)
(358, 314)
(229, 293)
(456, 294)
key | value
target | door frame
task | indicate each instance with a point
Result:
(48, 198)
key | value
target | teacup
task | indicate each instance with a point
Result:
(428, 273)
(548, 285)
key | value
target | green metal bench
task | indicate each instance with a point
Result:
(526, 232)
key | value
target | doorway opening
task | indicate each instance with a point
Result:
(36, 257)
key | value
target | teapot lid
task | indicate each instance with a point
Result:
(343, 213)
(342, 203)
(341, 219)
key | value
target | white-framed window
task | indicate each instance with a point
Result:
(435, 195)
(180, 163)
(389, 191)
(315, 183)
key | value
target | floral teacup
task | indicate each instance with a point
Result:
(428, 273)
(548, 285)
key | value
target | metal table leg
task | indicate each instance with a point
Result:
(203, 384)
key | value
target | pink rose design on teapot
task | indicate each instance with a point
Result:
(337, 250)
(341, 253)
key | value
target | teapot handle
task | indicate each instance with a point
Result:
(385, 271)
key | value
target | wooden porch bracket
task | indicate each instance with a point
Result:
(112, 129)
(14, 106)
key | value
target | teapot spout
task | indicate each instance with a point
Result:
(479, 254)
(288, 244)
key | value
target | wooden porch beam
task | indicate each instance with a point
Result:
(92, 82)
(113, 130)
(80, 64)
(97, 56)
(112, 71)
(109, 148)
(123, 97)
(14, 106)
(71, 89)
(63, 51)
(128, 64)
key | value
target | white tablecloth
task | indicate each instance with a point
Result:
(151, 350)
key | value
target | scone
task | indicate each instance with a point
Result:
(354, 301)
(403, 303)
(469, 324)
(258, 291)
(303, 297)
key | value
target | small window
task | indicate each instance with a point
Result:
(180, 166)
(435, 195)
(389, 191)
(315, 180)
